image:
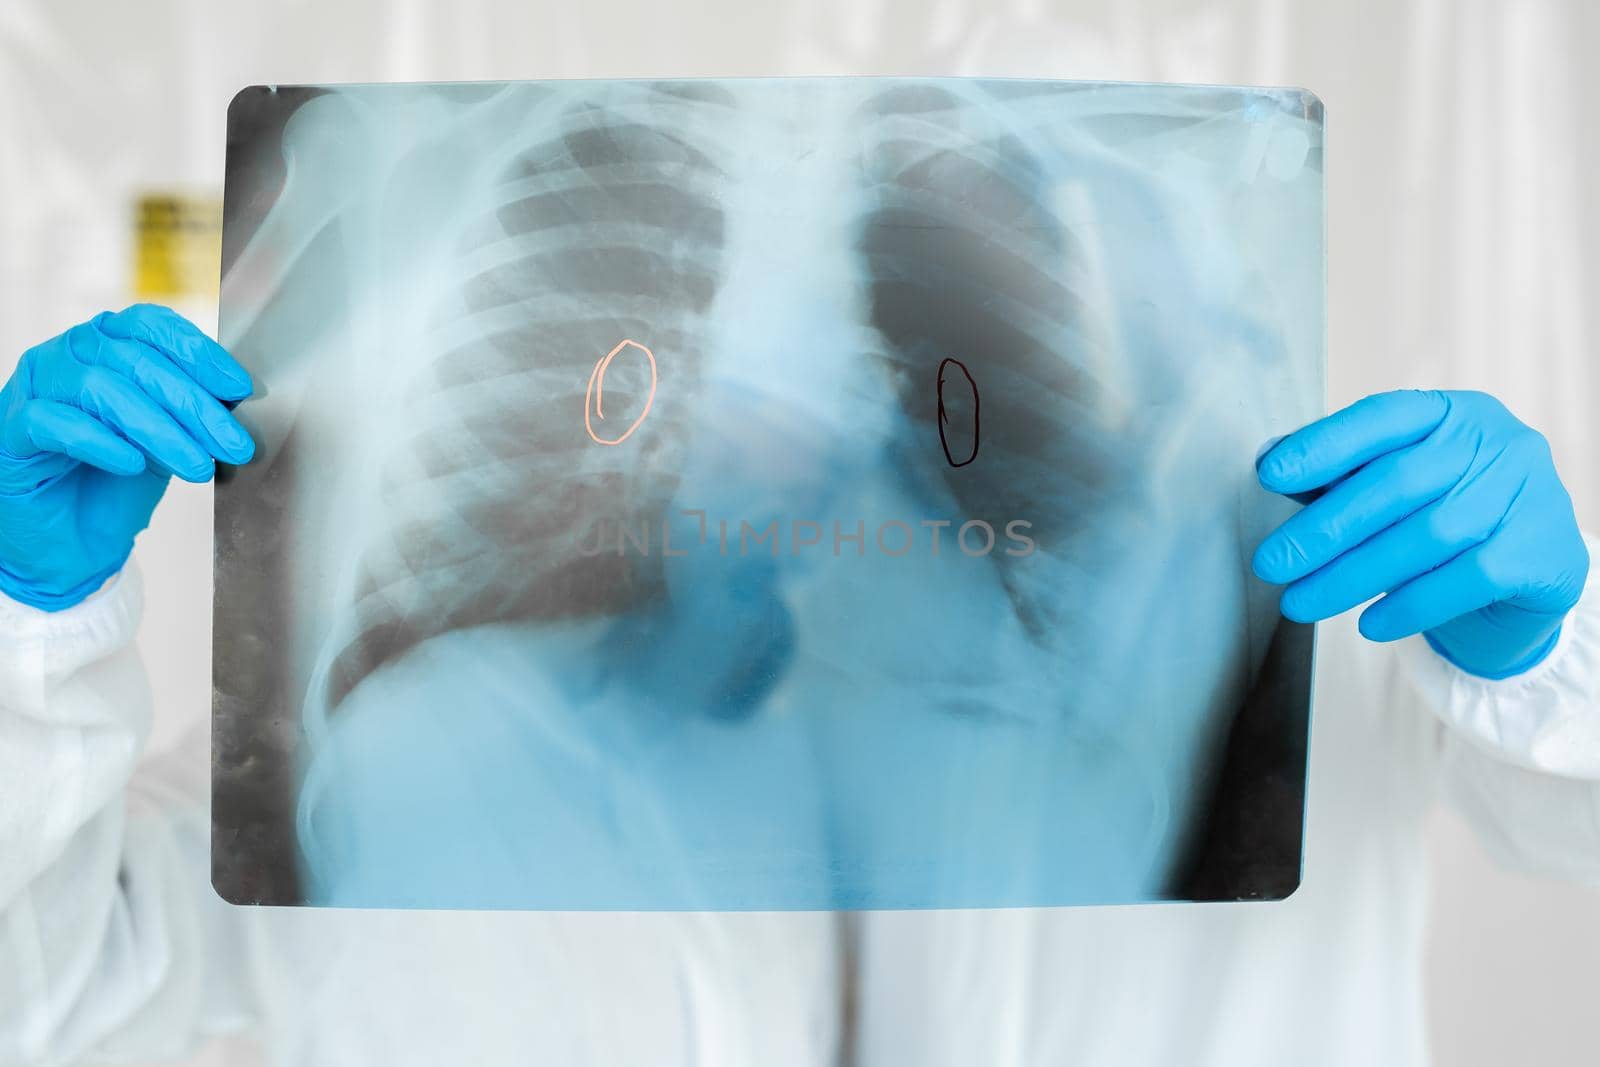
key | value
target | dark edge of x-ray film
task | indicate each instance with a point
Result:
(255, 734)
(482, 640)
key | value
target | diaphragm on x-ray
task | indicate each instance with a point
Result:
(819, 493)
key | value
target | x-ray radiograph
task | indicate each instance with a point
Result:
(818, 493)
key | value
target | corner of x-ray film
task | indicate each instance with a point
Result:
(762, 494)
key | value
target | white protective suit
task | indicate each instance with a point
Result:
(112, 945)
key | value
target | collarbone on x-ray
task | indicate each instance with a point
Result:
(774, 493)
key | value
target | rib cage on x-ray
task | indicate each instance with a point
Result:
(610, 225)
(607, 228)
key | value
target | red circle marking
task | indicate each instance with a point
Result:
(596, 390)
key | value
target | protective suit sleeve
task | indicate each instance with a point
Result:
(109, 931)
(1520, 757)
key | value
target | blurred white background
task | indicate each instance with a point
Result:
(1463, 242)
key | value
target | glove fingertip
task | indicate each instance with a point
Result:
(1375, 625)
(1295, 606)
(1263, 563)
(1269, 472)
(198, 474)
(249, 390)
(239, 389)
(1266, 448)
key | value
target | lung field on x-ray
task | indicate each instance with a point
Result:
(609, 229)
(967, 262)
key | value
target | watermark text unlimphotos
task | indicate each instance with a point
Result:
(775, 537)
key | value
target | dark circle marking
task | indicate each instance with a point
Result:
(943, 418)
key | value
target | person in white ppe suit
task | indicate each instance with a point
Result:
(1476, 676)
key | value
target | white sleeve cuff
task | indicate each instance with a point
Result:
(1546, 719)
(46, 646)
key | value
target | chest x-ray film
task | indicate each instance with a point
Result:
(819, 493)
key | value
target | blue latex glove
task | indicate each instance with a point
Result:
(92, 425)
(1445, 502)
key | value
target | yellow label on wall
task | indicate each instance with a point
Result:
(177, 246)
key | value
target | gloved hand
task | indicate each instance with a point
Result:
(92, 425)
(1445, 502)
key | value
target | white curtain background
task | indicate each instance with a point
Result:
(1462, 236)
